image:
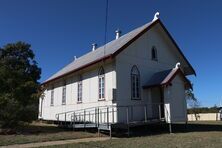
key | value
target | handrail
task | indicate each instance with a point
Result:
(102, 117)
(108, 106)
(84, 109)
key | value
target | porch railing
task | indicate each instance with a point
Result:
(104, 116)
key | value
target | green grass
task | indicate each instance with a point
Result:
(41, 133)
(197, 134)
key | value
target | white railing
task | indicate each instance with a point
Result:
(107, 115)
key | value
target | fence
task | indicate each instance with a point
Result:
(204, 117)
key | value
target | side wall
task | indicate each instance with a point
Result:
(89, 92)
(175, 96)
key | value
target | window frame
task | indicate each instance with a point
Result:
(64, 93)
(101, 84)
(52, 96)
(79, 90)
(135, 84)
(154, 55)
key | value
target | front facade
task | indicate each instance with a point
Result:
(137, 71)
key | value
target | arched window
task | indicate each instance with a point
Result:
(135, 83)
(101, 83)
(79, 90)
(64, 93)
(52, 96)
(154, 53)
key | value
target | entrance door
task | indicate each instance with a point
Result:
(157, 102)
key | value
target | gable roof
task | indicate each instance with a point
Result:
(110, 50)
(165, 77)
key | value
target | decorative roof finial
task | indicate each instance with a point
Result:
(75, 58)
(177, 65)
(156, 16)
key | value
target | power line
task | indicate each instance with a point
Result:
(106, 25)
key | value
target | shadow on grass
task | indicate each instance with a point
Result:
(196, 127)
(152, 129)
(157, 129)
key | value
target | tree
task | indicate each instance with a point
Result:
(192, 103)
(19, 75)
(191, 99)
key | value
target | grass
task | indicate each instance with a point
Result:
(39, 132)
(197, 134)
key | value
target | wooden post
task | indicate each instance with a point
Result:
(71, 119)
(132, 116)
(65, 119)
(107, 110)
(127, 120)
(127, 115)
(112, 114)
(74, 119)
(96, 117)
(169, 118)
(110, 132)
(98, 121)
(159, 111)
(145, 113)
(84, 118)
(58, 119)
(170, 127)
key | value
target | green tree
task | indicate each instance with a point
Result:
(191, 99)
(192, 103)
(19, 75)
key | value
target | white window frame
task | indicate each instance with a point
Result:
(64, 94)
(52, 97)
(135, 84)
(101, 83)
(79, 90)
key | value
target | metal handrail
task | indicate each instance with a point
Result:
(119, 106)
(104, 115)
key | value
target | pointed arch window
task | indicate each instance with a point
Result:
(101, 79)
(135, 83)
(154, 53)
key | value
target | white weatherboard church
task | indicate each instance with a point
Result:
(139, 76)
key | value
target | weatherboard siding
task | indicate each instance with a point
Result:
(118, 77)
(89, 90)
(175, 96)
(139, 54)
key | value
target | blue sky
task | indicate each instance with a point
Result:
(58, 30)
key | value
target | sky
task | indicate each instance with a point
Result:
(58, 30)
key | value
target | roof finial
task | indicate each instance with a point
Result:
(156, 16)
(94, 46)
(177, 65)
(118, 33)
(75, 58)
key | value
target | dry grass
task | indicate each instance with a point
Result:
(197, 134)
(38, 132)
